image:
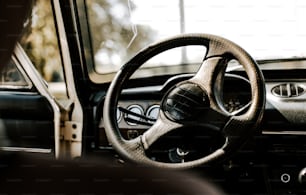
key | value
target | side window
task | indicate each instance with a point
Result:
(40, 43)
(12, 78)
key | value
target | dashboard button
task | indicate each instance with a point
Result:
(285, 178)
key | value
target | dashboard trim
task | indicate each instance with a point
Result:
(280, 132)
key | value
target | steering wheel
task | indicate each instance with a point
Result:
(197, 100)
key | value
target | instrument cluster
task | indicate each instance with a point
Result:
(135, 114)
(143, 113)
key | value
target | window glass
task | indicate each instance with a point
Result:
(40, 43)
(267, 29)
(10, 77)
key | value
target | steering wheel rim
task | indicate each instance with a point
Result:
(206, 82)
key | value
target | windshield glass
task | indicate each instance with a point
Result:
(264, 28)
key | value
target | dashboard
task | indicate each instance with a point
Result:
(135, 115)
(285, 112)
(276, 152)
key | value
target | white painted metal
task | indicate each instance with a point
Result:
(69, 147)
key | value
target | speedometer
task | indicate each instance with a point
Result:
(153, 112)
(233, 104)
(236, 93)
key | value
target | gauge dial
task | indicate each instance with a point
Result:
(153, 112)
(233, 104)
(132, 119)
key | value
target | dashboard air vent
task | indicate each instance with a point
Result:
(288, 90)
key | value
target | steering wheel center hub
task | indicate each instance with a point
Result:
(185, 101)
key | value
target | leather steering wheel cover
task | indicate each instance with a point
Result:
(222, 46)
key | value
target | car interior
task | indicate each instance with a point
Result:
(155, 97)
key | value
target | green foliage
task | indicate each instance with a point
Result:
(40, 42)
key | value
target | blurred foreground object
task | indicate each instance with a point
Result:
(13, 14)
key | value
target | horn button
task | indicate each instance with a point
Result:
(185, 101)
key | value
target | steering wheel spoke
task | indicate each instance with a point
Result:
(210, 77)
(210, 69)
(135, 145)
(210, 118)
(236, 131)
(234, 126)
(161, 127)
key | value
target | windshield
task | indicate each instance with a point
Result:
(264, 28)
